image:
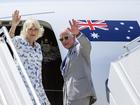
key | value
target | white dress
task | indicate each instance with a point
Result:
(31, 57)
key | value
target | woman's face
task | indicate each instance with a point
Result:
(32, 33)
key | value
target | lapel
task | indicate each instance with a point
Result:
(68, 59)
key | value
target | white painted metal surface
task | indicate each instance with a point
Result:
(124, 79)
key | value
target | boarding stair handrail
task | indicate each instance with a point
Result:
(6, 35)
(131, 46)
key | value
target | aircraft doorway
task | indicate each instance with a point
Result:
(51, 75)
(52, 78)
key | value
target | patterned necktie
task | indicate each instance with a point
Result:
(63, 65)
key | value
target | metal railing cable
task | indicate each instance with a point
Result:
(9, 41)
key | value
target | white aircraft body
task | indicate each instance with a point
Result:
(100, 15)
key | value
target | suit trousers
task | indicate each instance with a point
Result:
(82, 101)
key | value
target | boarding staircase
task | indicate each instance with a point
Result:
(12, 88)
(123, 86)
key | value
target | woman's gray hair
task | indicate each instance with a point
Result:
(28, 24)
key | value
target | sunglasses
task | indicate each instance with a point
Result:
(65, 37)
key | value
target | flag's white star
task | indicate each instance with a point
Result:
(128, 37)
(121, 23)
(94, 35)
(131, 27)
(129, 31)
(116, 28)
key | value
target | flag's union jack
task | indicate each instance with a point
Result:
(92, 25)
(109, 30)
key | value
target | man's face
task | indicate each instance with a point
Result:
(66, 39)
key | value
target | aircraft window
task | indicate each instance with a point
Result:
(51, 75)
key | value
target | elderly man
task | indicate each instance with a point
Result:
(76, 67)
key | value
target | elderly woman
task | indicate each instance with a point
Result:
(30, 53)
